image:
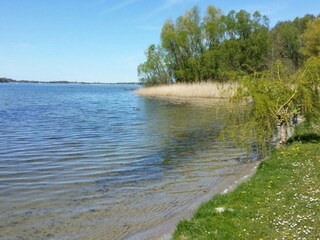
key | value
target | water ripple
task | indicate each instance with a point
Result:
(81, 162)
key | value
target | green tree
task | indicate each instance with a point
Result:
(290, 42)
(154, 70)
(302, 23)
(311, 39)
(217, 46)
(275, 98)
(213, 29)
(183, 42)
(286, 42)
(245, 41)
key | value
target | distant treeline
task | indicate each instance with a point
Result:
(9, 80)
(217, 47)
(6, 80)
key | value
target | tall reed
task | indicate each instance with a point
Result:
(196, 90)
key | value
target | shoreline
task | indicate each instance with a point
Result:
(280, 201)
(165, 230)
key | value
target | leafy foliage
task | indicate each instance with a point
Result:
(311, 38)
(197, 49)
(215, 46)
(154, 70)
(184, 47)
(308, 86)
(286, 42)
(276, 99)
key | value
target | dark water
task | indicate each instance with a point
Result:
(99, 162)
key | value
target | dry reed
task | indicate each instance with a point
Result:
(194, 90)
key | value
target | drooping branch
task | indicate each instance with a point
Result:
(288, 102)
(273, 112)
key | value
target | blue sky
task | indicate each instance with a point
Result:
(101, 40)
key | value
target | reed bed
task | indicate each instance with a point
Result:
(194, 90)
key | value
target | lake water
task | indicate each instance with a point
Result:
(99, 162)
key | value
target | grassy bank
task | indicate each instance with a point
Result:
(282, 201)
(197, 90)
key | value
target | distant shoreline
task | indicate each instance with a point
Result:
(9, 80)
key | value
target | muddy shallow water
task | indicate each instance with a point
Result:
(99, 162)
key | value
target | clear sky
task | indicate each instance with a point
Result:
(101, 40)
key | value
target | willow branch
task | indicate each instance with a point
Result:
(273, 113)
(289, 100)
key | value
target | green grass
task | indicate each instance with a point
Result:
(281, 201)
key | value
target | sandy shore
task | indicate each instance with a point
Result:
(165, 230)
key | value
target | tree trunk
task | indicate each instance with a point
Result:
(283, 133)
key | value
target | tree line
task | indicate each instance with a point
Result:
(217, 46)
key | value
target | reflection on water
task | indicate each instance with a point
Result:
(99, 162)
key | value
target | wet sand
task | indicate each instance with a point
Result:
(164, 230)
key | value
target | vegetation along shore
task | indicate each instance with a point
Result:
(192, 90)
(281, 201)
(276, 71)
